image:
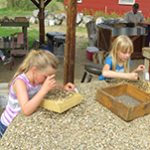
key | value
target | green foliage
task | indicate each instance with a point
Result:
(148, 20)
(81, 29)
(33, 35)
(11, 13)
(100, 13)
(23, 4)
(3, 3)
(106, 15)
(6, 31)
(24, 7)
(87, 11)
(55, 6)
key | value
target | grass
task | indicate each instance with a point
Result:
(13, 13)
(5, 31)
(33, 34)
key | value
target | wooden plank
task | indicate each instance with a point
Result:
(14, 24)
(41, 4)
(138, 94)
(136, 112)
(41, 18)
(104, 38)
(69, 60)
(138, 44)
(120, 90)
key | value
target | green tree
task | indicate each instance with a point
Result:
(20, 4)
(10, 3)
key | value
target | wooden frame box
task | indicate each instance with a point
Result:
(63, 104)
(136, 103)
(107, 33)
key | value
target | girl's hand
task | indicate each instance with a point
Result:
(140, 68)
(69, 87)
(48, 84)
(133, 76)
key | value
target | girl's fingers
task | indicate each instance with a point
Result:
(51, 77)
(142, 67)
(69, 86)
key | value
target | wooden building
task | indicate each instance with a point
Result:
(117, 6)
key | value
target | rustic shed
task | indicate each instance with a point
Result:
(117, 6)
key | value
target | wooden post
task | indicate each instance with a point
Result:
(41, 4)
(69, 59)
(41, 22)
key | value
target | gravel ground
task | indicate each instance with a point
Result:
(88, 126)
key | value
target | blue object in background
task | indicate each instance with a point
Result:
(47, 47)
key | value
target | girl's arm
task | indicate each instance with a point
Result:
(106, 72)
(28, 106)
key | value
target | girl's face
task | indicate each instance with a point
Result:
(124, 56)
(40, 76)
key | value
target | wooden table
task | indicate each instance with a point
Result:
(24, 26)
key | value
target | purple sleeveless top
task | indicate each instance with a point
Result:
(13, 107)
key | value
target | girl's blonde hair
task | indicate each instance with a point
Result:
(121, 44)
(40, 59)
